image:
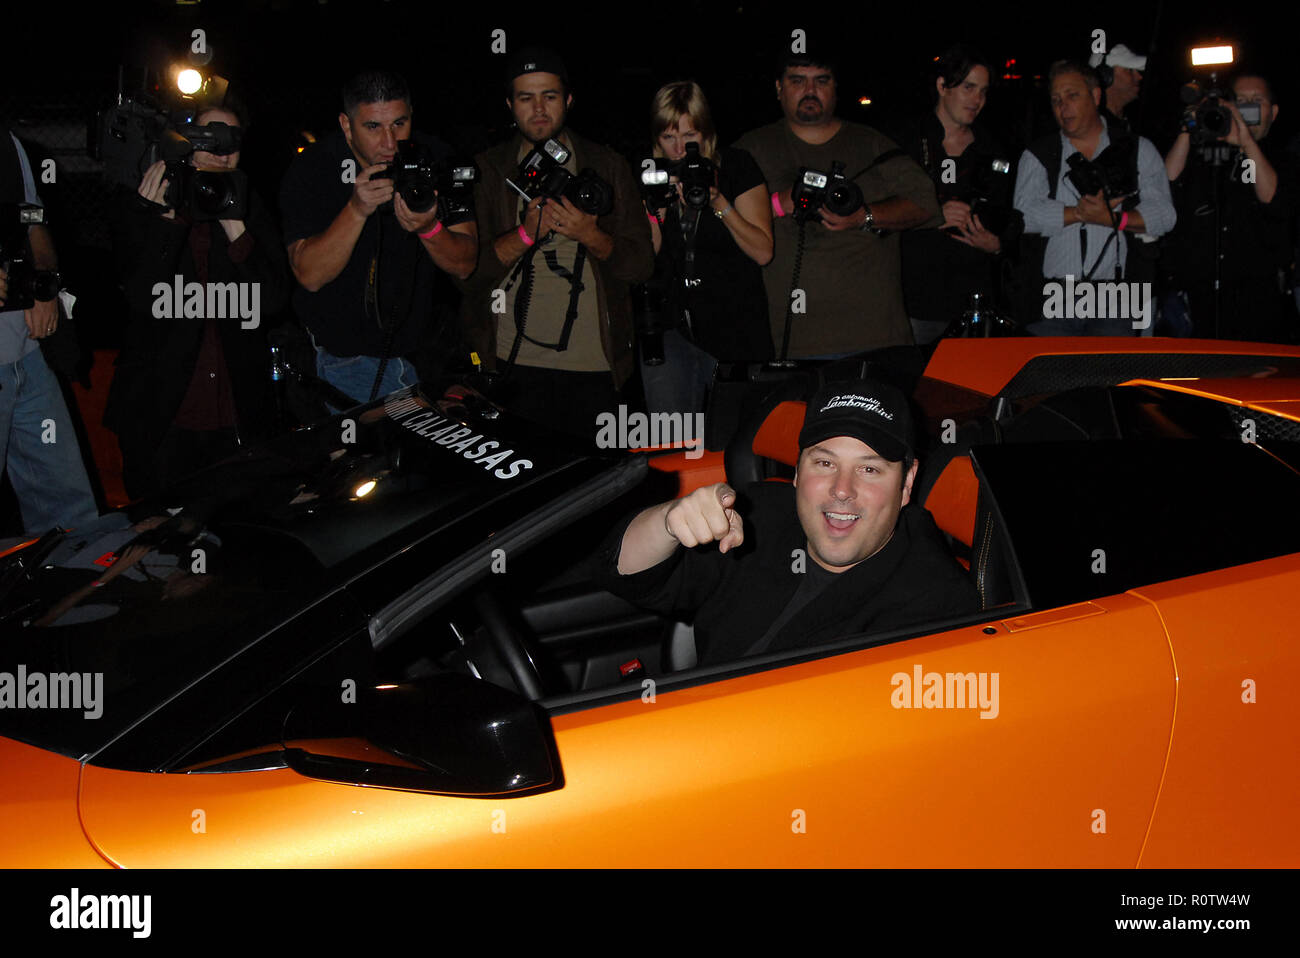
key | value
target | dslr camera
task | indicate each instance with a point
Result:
(135, 134)
(26, 283)
(422, 180)
(1113, 173)
(696, 173)
(1210, 120)
(542, 173)
(985, 191)
(814, 189)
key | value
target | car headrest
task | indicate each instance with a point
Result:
(768, 430)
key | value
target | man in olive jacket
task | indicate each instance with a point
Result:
(565, 356)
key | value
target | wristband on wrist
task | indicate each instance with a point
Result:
(776, 205)
(429, 235)
(1123, 221)
(523, 235)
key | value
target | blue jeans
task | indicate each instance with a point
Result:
(39, 448)
(355, 375)
(681, 382)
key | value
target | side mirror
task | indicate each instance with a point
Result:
(447, 735)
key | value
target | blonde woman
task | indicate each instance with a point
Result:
(716, 295)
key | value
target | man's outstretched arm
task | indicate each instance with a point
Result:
(706, 515)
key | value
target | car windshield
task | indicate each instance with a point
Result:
(105, 623)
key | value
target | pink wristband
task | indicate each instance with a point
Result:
(429, 235)
(776, 205)
(1123, 221)
(523, 235)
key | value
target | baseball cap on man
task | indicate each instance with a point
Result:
(871, 411)
(536, 60)
(1119, 56)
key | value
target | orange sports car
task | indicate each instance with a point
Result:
(378, 641)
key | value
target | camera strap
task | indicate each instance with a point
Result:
(525, 268)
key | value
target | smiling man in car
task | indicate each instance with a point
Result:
(838, 551)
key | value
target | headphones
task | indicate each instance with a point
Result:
(1105, 72)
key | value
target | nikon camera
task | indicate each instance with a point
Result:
(422, 180)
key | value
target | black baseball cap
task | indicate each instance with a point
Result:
(869, 410)
(536, 60)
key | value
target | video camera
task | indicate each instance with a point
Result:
(26, 283)
(814, 189)
(1113, 173)
(542, 173)
(985, 194)
(134, 134)
(422, 180)
(697, 174)
(1211, 120)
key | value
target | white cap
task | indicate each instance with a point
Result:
(1119, 56)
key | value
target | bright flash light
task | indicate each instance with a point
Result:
(1208, 56)
(365, 488)
(189, 81)
(864, 101)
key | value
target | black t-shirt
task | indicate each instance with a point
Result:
(736, 597)
(728, 305)
(345, 316)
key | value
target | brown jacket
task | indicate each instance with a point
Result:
(631, 262)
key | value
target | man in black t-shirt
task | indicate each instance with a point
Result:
(846, 558)
(369, 269)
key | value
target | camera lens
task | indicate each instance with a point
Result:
(212, 193)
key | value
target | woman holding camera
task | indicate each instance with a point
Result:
(708, 254)
(189, 388)
(971, 172)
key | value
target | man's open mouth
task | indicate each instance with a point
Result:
(841, 521)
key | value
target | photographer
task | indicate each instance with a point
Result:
(563, 343)
(847, 295)
(1248, 185)
(1071, 235)
(1119, 70)
(970, 172)
(372, 287)
(192, 384)
(708, 257)
(48, 477)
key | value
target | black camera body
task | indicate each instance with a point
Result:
(697, 174)
(26, 283)
(206, 195)
(542, 173)
(422, 180)
(814, 189)
(1113, 173)
(985, 191)
(134, 134)
(1211, 120)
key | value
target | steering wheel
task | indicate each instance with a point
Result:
(509, 642)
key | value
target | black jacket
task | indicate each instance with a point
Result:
(157, 359)
(940, 273)
(735, 597)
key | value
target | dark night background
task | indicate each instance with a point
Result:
(289, 58)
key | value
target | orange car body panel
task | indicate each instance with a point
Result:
(1231, 794)
(987, 365)
(38, 792)
(723, 774)
(1274, 394)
